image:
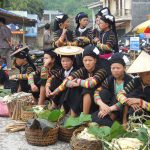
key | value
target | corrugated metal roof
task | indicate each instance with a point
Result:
(16, 19)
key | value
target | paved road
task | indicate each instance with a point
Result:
(17, 141)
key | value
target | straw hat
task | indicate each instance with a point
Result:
(20, 49)
(141, 64)
(68, 50)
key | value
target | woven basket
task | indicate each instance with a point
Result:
(37, 137)
(65, 134)
(26, 115)
(82, 144)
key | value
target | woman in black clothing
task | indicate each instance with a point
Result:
(82, 33)
(105, 95)
(96, 32)
(140, 66)
(83, 82)
(108, 37)
(62, 35)
(25, 65)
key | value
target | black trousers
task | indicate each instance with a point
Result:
(110, 100)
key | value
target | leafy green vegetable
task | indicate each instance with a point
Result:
(117, 130)
(143, 135)
(76, 121)
(100, 132)
(54, 115)
(147, 122)
(4, 92)
(44, 114)
(50, 115)
(140, 134)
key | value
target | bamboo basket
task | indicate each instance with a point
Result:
(15, 105)
(65, 134)
(25, 115)
(37, 137)
(82, 144)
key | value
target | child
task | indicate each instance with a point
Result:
(49, 68)
(54, 81)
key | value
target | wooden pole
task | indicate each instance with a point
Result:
(23, 33)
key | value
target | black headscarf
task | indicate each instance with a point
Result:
(80, 16)
(50, 51)
(59, 19)
(24, 53)
(110, 19)
(117, 58)
(91, 50)
(104, 11)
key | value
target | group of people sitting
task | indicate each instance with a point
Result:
(87, 82)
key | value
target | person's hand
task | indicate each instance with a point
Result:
(136, 107)
(46, 62)
(52, 94)
(95, 40)
(34, 88)
(113, 108)
(73, 83)
(64, 31)
(48, 91)
(12, 77)
(132, 101)
(81, 38)
(102, 114)
(104, 110)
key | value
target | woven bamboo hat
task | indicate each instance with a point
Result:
(25, 48)
(141, 64)
(69, 50)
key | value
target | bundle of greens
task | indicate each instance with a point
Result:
(52, 116)
(73, 122)
(5, 92)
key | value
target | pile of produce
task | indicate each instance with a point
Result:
(86, 135)
(135, 137)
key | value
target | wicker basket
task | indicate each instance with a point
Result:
(82, 144)
(65, 134)
(37, 137)
(25, 115)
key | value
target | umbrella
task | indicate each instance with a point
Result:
(143, 27)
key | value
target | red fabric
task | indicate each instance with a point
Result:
(105, 56)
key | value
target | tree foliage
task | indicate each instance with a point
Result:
(31, 6)
(70, 7)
